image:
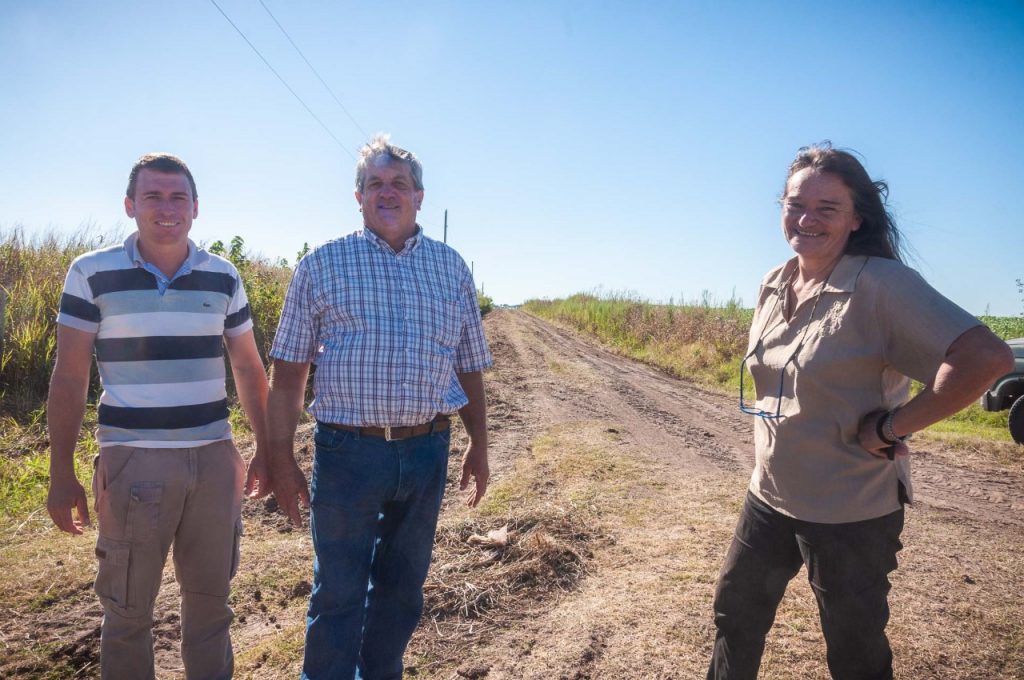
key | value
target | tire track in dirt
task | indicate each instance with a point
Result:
(990, 495)
(682, 422)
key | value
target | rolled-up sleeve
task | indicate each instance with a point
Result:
(918, 324)
(296, 337)
(472, 353)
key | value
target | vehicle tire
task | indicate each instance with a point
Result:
(1017, 420)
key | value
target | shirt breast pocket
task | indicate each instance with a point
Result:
(345, 309)
(442, 319)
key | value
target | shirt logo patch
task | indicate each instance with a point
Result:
(833, 319)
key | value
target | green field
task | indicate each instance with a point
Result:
(1006, 327)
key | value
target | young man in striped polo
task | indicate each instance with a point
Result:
(157, 313)
(391, 319)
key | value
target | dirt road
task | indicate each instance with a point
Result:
(643, 609)
(619, 487)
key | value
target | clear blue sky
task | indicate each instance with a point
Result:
(628, 146)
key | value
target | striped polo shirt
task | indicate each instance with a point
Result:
(159, 343)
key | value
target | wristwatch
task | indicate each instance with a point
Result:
(885, 431)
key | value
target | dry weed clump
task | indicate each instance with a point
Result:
(478, 575)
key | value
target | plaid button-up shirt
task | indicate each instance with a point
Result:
(388, 331)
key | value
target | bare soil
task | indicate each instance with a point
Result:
(618, 488)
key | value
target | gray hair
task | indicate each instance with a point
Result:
(381, 147)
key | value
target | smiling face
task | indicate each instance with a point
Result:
(163, 208)
(818, 217)
(389, 198)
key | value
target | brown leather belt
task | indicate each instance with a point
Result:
(439, 424)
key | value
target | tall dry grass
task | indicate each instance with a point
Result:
(701, 341)
(32, 270)
(266, 282)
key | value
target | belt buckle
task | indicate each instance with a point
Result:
(387, 433)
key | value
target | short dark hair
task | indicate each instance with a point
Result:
(161, 162)
(877, 235)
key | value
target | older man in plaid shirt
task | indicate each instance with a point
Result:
(391, 320)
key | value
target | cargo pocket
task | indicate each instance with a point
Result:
(236, 550)
(144, 511)
(112, 576)
(98, 485)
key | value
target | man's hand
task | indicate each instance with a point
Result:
(474, 418)
(868, 437)
(257, 479)
(284, 404)
(251, 386)
(65, 406)
(474, 464)
(289, 486)
(67, 493)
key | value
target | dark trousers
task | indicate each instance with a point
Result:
(847, 565)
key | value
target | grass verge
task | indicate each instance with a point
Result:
(25, 463)
(696, 341)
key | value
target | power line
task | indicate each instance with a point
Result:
(283, 81)
(317, 74)
(295, 94)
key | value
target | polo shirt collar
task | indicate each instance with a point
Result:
(195, 254)
(410, 245)
(843, 278)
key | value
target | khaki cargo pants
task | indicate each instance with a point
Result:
(147, 500)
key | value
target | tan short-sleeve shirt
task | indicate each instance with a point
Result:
(876, 323)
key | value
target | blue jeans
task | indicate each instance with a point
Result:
(374, 508)
(848, 567)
